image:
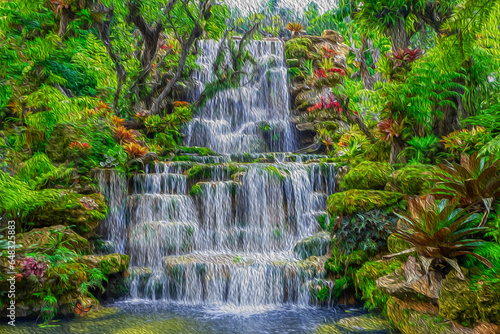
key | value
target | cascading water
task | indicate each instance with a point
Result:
(233, 232)
(251, 118)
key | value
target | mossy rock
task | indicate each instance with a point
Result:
(47, 238)
(411, 179)
(412, 317)
(466, 304)
(83, 211)
(195, 150)
(366, 323)
(205, 171)
(316, 245)
(108, 264)
(297, 48)
(352, 201)
(62, 135)
(366, 282)
(367, 175)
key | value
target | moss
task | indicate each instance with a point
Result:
(204, 171)
(366, 284)
(196, 190)
(108, 264)
(195, 150)
(416, 317)
(367, 175)
(297, 48)
(316, 245)
(275, 172)
(411, 179)
(83, 211)
(49, 238)
(352, 201)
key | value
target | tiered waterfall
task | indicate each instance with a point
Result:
(241, 228)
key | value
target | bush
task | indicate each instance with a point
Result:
(353, 201)
(367, 175)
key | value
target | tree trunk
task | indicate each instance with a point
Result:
(396, 149)
(399, 36)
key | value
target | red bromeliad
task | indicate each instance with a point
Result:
(331, 104)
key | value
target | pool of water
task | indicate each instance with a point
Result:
(148, 318)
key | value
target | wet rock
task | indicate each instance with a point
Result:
(305, 126)
(316, 245)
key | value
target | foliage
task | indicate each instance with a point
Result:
(367, 231)
(473, 181)
(467, 142)
(294, 27)
(439, 232)
(352, 201)
(421, 149)
(367, 175)
(365, 282)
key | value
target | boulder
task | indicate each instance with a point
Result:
(411, 282)
(332, 36)
(365, 323)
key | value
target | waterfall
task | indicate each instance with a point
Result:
(236, 231)
(251, 118)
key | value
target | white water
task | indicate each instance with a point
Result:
(232, 241)
(233, 120)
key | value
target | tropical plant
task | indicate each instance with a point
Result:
(421, 149)
(135, 150)
(439, 232)
(476, 181)
(466, 141)
(295, 27)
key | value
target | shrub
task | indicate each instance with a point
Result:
(367, 175)
(438, 232)
(365, 231)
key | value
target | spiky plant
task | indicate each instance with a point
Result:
(439, 232)
(475, 181)
(135, 150)
(295, 27)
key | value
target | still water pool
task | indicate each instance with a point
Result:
(145, 318)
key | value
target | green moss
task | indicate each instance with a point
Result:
(204, 171)
(411, 179)
(196, 190)
(316, 245)
(367, 175)
(297, 48)
(275, 172)
(366, 284)
(195, 150)
(352, 201)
